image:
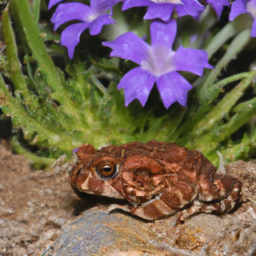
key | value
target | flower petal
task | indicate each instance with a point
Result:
(96, 25)
(191, 60)
(129, 46)
(173, 88)
(251, 8)
(75, 150)
(163, 34)
(102, 6)
(53, 2)
(253, 3)
(237, 8)
(71, 11)
(253, 32)
(137, 84)
(132, 3)
(189, 7)
(161, 11)
(70, 37)
(218, 5)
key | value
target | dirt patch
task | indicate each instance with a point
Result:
(34, 205)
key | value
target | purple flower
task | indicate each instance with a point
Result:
(218, 5)
(92, 17)
(53, 2)
(241, 6)
(158, 63)
(75, 150)
(163, 8)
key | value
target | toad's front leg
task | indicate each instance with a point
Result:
(224, 194)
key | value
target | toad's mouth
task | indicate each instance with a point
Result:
(94, 185)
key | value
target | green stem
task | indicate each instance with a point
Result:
(98, 84)
(224, 106)
(246, 111)
(200, 114)
(38, 162)
(210, 141)
(219, 39)
(235, 47)
(36, 10)
(240, 150)
(187, 127)
(21, 90)
(231, 29)
(212, 92)
(230, 79)
(14, 66)
(46, 67)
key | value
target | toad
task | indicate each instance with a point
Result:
(156, 178)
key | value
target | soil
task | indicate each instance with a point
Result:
(34, 205)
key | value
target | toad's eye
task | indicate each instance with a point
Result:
(106, 169)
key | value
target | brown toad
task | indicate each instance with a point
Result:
(156, 178)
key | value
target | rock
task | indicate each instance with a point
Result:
(246, 172)
(97, 232)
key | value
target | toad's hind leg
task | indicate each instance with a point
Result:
(151, 210)
(226, 204)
